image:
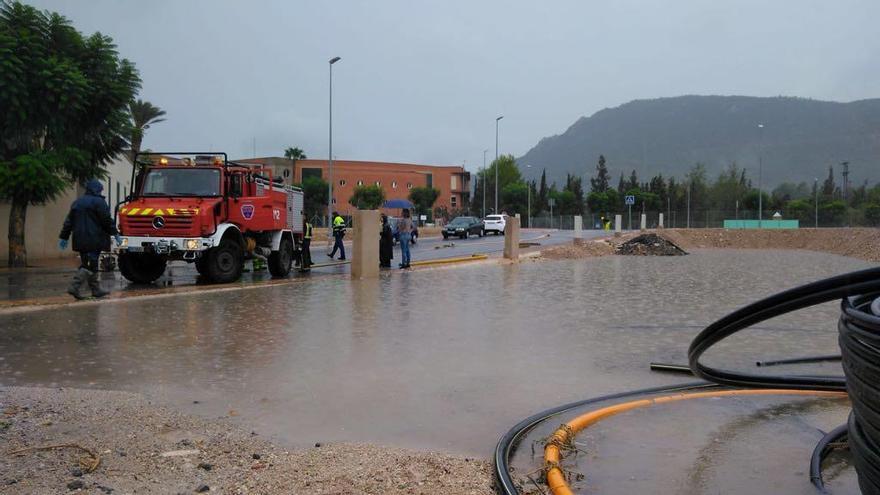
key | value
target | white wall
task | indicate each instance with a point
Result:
(43, 222)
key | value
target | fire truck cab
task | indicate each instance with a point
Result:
(203, 209)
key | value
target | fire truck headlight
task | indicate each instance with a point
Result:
(191, 244)
(124, 242)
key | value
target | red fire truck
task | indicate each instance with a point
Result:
(203, 209)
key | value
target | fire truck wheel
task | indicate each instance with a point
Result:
(280, 261)
(141, 268)
(224, 263)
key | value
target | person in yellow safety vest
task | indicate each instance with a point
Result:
(338, 234)
(607, 225)
(306, 257)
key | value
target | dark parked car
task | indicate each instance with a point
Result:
(392, 222)
(463, 227)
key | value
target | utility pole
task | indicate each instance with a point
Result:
(496, 161)
(845, 166)
(816, 199)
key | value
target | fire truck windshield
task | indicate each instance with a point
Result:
(182, 182)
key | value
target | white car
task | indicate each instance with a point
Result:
(494, 223)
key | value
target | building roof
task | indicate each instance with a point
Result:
(337, 160)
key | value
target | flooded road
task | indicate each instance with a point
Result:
(444, 359)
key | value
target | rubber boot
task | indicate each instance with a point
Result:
(78, 278)
(95, 285)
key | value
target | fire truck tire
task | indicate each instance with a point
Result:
(224, 263)
(280, 261)
(141, 268)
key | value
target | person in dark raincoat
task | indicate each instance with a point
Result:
(90, 223)
(386, 243)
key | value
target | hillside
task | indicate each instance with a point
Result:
(801, 138)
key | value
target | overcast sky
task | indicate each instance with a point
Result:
(422, 81)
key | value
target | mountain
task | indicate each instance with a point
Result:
(799, 140)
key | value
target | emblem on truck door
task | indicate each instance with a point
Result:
(158, 222)
(247, 211)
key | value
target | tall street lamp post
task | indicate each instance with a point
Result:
(330, 157)
(484, 182)
(760, 176)
(497, 119)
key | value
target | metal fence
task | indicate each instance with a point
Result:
(696, 219)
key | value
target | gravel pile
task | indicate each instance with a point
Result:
(144, 448)
(650, 245)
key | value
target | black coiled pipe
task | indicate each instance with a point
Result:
(859, 337)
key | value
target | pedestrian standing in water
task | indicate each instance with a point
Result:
(386, 243)
(404, 230)
(338, 235)
(90, 223)
(305, 263)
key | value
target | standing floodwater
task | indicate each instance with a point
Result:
(443, 359)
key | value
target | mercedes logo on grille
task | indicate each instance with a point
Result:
(158, 222)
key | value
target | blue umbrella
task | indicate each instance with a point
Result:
(397, 203)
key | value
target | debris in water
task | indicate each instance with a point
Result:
(650, 245)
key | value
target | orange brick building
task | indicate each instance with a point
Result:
(396, 179)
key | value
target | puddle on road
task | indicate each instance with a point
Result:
(444, 360)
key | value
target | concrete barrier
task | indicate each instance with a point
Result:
(644, 223)
(618, 224)
(365, 246)
(660, 224)
(578, 230)
(511, 241)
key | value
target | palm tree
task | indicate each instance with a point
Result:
(143, 115)
(294, 154)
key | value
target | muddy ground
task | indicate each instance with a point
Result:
(144, 448)
(862, 244)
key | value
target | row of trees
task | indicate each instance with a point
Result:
(732, 192)
(69, 109)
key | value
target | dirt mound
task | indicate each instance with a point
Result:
(650, 245)
(861, 243)
(588, 249)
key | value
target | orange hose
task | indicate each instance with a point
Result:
(565, 434)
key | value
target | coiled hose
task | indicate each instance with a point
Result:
(859, 339)
(859, 328)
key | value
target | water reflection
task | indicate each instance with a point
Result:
(442, 359)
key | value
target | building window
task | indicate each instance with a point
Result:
(286, 173)
(342, 182)
(334, 201)
(394, 184)
(378, 183)
(310, 172)
(429, 180)
(453, 182)
(409, 185)
(360, 182)
(452, 201)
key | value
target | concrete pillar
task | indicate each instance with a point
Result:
(660, 224)
(578, 230)
(618, 224)
(511, 240)
(644, 221)
(365, 246)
